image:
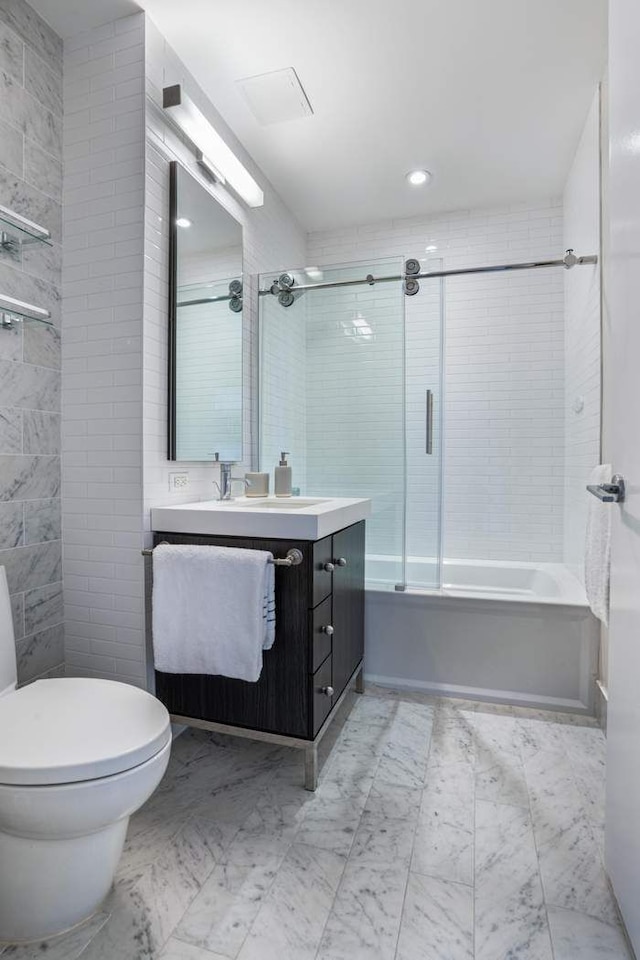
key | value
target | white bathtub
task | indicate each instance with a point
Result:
(510, 632)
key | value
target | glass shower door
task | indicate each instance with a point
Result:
(333, 394)
(424, 337)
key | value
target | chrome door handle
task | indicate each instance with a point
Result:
(329, 567)
(328, 691)
(328, 630)
(340, 562)
(429, 423)
(609, 492)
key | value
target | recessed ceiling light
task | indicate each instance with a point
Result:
(418, 177)
(183, 222)
(431, 248)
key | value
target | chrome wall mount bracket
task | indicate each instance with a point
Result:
(613, 492)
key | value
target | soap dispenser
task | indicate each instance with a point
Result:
(283, 477)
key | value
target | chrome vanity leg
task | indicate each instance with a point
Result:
(311, 767)
(360, 680)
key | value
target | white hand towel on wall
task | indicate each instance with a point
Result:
(213, 610)
(597, 561)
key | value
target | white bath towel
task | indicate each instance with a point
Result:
(597, 559)
(213, 610)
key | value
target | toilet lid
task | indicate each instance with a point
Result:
(70, 729)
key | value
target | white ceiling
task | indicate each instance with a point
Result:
(490, 95)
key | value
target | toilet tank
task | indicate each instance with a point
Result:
(8, 669)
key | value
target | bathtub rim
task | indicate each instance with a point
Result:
(572, 593)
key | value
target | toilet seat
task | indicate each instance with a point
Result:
(69, 730)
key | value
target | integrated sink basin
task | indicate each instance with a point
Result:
(295, 518)
(295, 503)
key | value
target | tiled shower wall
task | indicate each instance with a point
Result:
(504, 380)
(582, 338)
(31, 184)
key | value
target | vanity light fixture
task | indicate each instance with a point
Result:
(417, 178)
(211, 145)
(209, 168)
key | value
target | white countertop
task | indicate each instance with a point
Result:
(286, 518)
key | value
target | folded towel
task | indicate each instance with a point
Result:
(597, 561)
(213, 610)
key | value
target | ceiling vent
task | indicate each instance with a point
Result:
(276, 97)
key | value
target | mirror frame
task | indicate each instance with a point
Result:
(173, 311)
(172, 327)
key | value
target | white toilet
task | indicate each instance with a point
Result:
(77, 758)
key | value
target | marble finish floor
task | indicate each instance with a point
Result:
(441, 830)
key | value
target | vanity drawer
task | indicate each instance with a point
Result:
(321, 639)
(322, 699)
(322, 578)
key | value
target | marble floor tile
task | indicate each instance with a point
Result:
(538, 736)
(510, 916)
(348, 775)
(452, 741)
(401, 764)
(142, 847)
(221, 915)
(172, 881)
(576, 937)
(440, 830)
(279, 812)
(133, 930)
(374, 710)
(551, 781)
(365, 918)
(505, 853)
(290, 922)
(515, 927)
(393, 802)
(331, 824)
(178, 950)
(379, 840)
(501, 778)
(571, 867)
(456, 777)
(437, 921)
(67, 947)
(443, 845)
(359, 737)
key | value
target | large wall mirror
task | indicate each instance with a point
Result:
(205, 325)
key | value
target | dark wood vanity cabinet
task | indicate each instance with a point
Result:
(319, 641)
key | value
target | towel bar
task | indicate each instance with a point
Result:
(293, 558)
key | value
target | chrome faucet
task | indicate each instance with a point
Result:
(226, 480)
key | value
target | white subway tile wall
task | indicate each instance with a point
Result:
(504, 378)
(31, 185)
(104, 152)
(582, 339)
(117, 147)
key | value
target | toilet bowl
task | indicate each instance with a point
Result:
(77, 758)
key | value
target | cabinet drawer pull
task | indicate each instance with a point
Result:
(328, 630)
(329, 567)
(328, 691)
(341, 562)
